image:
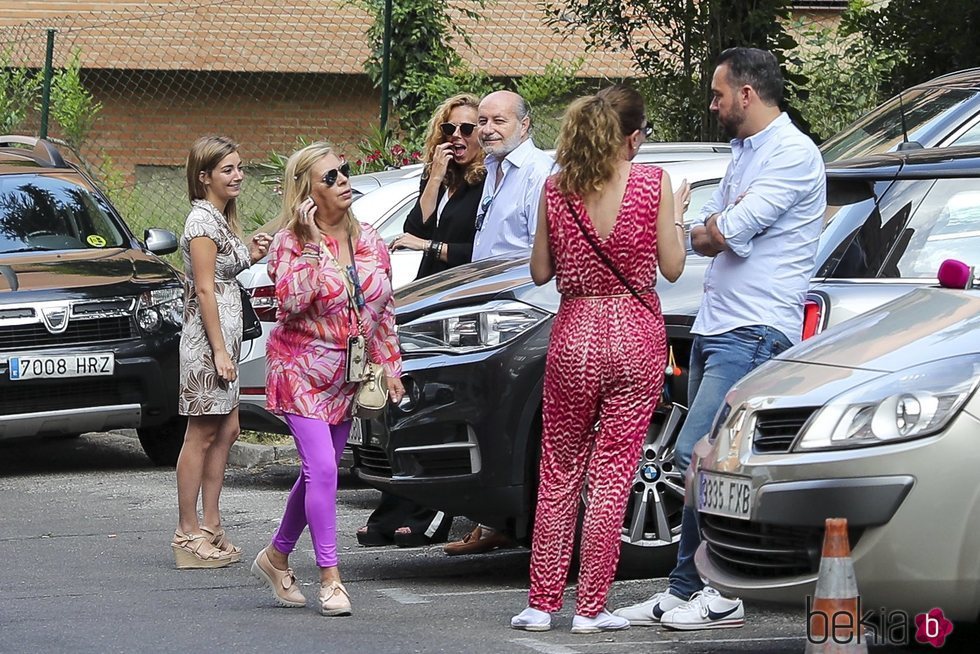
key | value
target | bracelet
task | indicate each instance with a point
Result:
(681, 225)
(435, 248)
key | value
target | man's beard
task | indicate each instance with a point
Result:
(730, 125)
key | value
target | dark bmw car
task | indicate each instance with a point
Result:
(465, 438)
(89, 316)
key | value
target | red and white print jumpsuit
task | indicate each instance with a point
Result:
(605, 365)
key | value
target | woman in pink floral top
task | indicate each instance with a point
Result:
(306, 355)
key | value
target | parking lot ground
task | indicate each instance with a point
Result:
(85, 526)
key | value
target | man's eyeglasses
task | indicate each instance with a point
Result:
(330, 177)
(482, 213)
(448, 129)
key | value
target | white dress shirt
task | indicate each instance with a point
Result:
(772, 232)
(507, 216)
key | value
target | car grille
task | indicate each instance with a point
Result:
(373, 459)
(776, 430)
(764, 551)
(97, 330)
(54, 395)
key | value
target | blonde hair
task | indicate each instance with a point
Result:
(205, 155)
(297, 184)
(473, 172)
(591, 135)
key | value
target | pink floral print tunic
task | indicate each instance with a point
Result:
(306, 350)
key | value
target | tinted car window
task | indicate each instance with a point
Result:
(864, 231)
(48, 213)
(882, 129)
(946, 225)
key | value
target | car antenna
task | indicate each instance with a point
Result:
(901, 111)
(906, 144)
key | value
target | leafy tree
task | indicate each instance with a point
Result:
(422, 37)
(674, 44)
(72, 105)
(847, 71)
(18, 89)
(936, 37)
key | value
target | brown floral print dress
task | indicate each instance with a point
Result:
(202, 392)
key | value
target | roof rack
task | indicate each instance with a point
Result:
(43, 151)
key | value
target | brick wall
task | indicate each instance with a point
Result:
(151, 118)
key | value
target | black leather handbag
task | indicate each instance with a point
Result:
(251, 325)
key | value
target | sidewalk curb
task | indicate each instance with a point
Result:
(245, 455)
(249, 455)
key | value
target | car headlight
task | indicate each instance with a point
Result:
(907, 404)
(159, 306)
(466, 329)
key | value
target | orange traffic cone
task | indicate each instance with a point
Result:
(833, 618)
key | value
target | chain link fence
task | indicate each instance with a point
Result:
(267, 73)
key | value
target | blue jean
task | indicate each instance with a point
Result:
(717, 362)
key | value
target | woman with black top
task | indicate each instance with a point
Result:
(443, 222)
(442, 225)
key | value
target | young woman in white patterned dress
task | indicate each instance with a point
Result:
(213, 254)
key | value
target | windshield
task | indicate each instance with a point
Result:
(881, 130)
(39, 212)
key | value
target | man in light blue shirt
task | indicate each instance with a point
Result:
(516, 170)
(761, 227)
(506, 219)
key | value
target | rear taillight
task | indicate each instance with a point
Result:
(264, 302)
(812, 317)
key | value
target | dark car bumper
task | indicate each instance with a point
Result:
(141, 392)
(465, 439)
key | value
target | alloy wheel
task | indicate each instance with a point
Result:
(656, 502)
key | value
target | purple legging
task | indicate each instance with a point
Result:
(313, 499)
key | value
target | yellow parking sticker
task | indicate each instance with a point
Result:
(95, 241)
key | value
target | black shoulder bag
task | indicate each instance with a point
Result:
(606, 260)
(251, 325)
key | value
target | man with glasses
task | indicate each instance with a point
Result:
(516, 170)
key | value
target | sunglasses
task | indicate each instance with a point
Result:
(466, 129)
(330, 177)
(482, 213)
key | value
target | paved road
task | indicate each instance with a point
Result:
(86, 567)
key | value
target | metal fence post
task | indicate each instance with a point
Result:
(46, 88)
(386, 66)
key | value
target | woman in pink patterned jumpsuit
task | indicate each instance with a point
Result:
(608, 349)
(311, 263)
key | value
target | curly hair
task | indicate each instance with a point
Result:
(297, 184)
(591, 135)
(455, 174)
(205, 155)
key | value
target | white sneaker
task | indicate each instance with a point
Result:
(706, 610)
(605, 621)
(648, 612)
(531, 620)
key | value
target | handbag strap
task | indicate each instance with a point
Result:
(605, 258)
(350, 285)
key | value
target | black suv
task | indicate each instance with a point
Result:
(89, 316)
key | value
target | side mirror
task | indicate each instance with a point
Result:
(955, 274)
(160, 241)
